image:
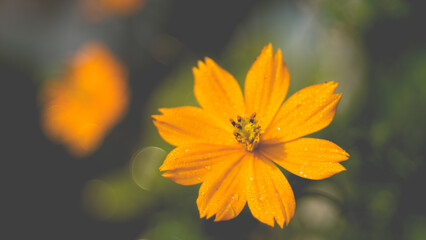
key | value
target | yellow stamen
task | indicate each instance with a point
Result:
(247, 131)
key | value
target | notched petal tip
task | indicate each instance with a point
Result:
(327, 87)
(163, 168)
(268, 47)
(202, 211)
(210, 214)
(346, 155)
(333, 102)
(281, 224)
(201, 63)
(156, 122)
(158, 116)
(332, 169)
(161, 111)
(196, 70)
(268, 184)
(225, 215)
(267, 51)
(209, 61)
(172, 177)
(331, 84)
(269, 223)
(278, 55)
(335, 99)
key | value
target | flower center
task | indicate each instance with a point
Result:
(247, 131)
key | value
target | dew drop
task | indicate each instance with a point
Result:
(235, 197)
(186, 150)
(260, 199)
(278, 128)
(251, 179)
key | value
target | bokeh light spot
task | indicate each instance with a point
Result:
(317, 212)
(144, 166)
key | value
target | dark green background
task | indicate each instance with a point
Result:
(376, 50)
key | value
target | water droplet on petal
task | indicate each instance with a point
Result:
(235, 197)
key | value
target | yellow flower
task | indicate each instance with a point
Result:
(233, 144)
(79, 108)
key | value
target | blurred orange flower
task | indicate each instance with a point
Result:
(79, 108)
(96, 10)
(232, 145)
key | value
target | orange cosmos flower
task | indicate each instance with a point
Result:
(97, 10)
(82, 106)
(236, 160)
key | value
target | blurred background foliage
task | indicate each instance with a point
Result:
(376, 50)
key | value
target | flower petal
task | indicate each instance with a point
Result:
(307, 111)
(307, 157)
(223, 191)
(188, 165)
(266, 85)
(269, 194)
(217, 91)
(188, 125)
